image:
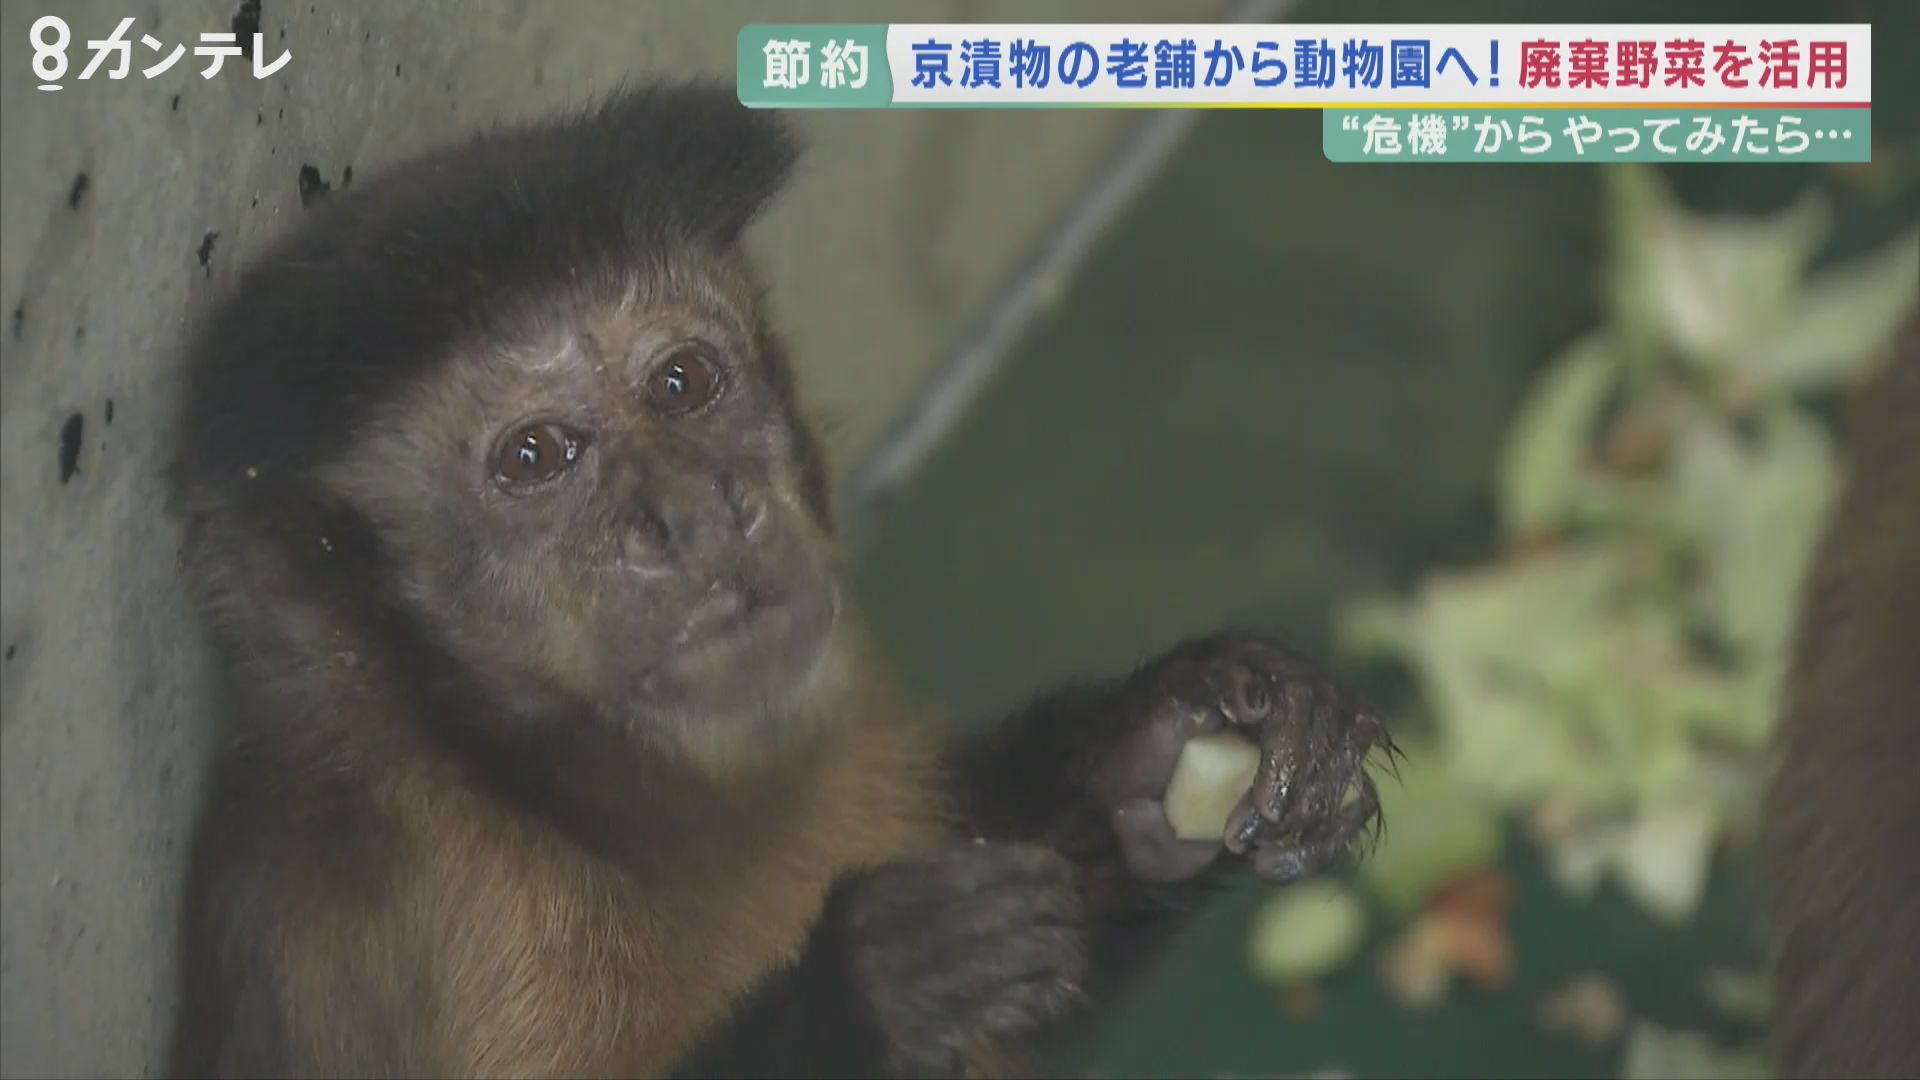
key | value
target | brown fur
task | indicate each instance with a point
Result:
(585, 771)
(526, 954)
(451, 828)
(1844, 809)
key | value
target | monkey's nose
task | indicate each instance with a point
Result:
(663, 530)
(685, 518)
(747, 501)
(680, 524)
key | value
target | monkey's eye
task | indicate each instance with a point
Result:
(687, 378)
(537, 453)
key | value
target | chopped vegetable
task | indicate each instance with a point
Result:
(1305, 931)
(1462, 932)
(1661, 493)
(1435, 830)
(1742, 994)
(1590, 1008)
(1211, 775)
(1654, 1053)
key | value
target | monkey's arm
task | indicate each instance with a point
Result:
(1026, 780)
(923, 966)
(917, 964)
(1083, 771)
(809, 1019)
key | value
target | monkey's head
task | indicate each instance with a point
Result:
(527, 387)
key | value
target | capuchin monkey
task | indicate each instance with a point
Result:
(1843, 813)
(548, 744)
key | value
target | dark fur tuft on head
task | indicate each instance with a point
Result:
(384, 280)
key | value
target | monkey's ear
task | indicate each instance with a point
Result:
(695, 160)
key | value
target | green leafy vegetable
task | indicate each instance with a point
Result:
(1305, 931)
(1435, 832)
(1665, 490)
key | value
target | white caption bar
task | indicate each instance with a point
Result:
(1378, 65)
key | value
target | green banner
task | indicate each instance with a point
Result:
(1561, 135)
(814, 66)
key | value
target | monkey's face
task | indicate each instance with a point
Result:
(613, 505)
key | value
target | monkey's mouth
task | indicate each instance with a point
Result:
(728, 607)
(746, 636)
(737, 607)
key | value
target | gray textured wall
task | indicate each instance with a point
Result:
(898, 229)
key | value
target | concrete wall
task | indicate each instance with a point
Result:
(128, 204)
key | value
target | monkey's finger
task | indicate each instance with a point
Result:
(1282, 865)
(1245, 826)
(1243, 694)
(1287, 756)
(1007, 967)
(1025, 1004)
(1187, 699)
(994, 909)
(1315, 798)
(1319, 847)
(956, 921)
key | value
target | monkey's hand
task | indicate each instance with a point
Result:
(1311, 798)
(963, 944)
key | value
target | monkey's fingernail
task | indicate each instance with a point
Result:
(1242, 828)
(1280, 866)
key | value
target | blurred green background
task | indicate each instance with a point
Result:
(1280, 384)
